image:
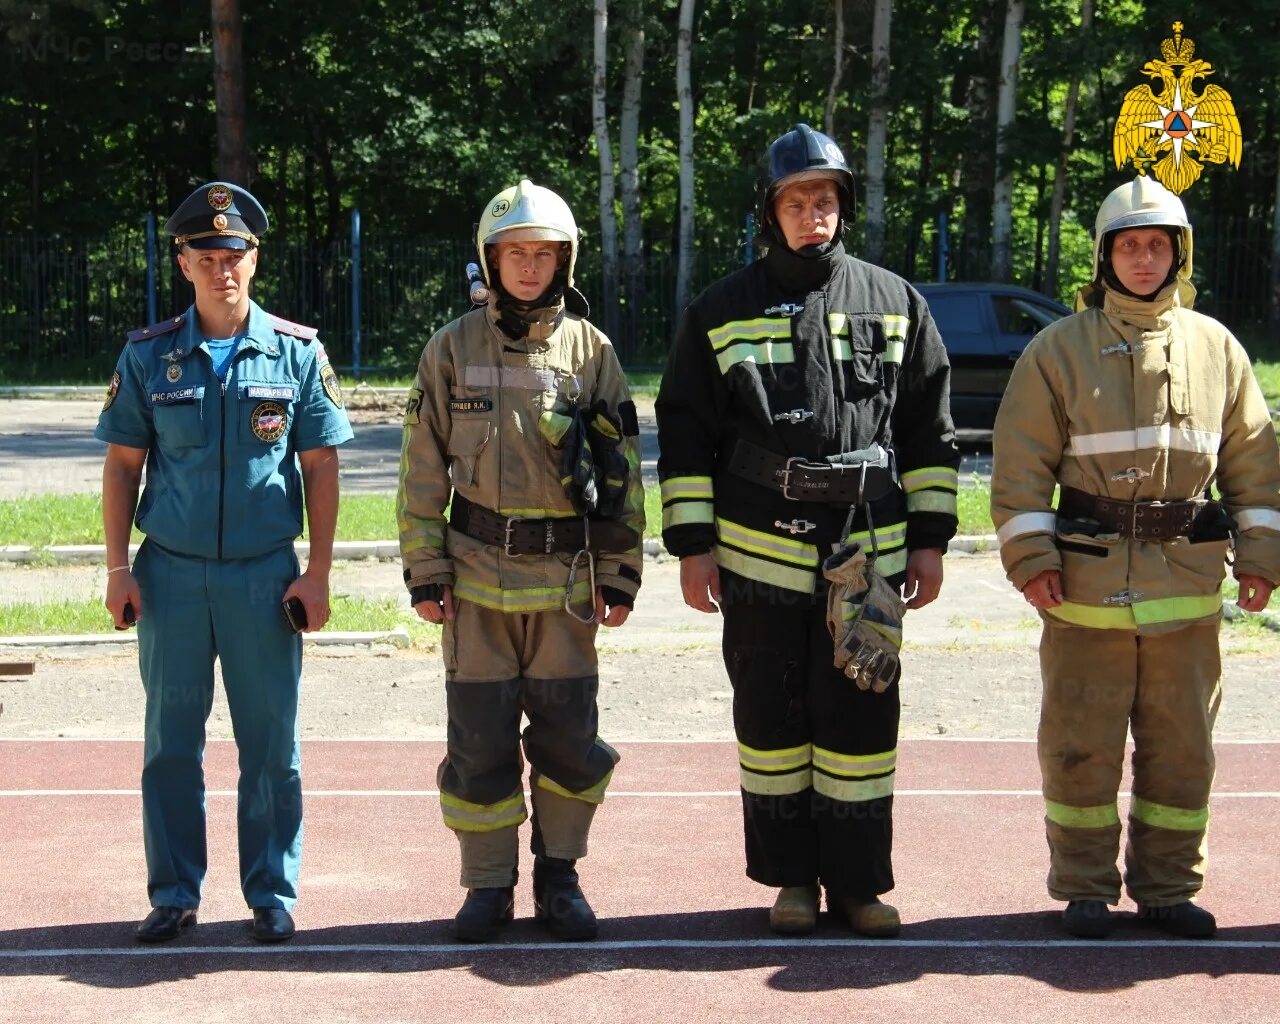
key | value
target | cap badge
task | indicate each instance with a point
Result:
(220, 198)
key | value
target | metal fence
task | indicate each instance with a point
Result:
(66, 303)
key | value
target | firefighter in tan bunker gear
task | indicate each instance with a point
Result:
(520, 425)
(1135, 407)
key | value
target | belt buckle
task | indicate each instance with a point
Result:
(789, 469)
(508, 533)
(786, 478)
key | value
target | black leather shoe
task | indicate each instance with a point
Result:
(1185, 920)
(558, 903)
(165, 923)
(483, 912)
(1087, 919)
(271, 924)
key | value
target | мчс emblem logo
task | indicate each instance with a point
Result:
(1159, 131)
(220, 198)
(268, 421)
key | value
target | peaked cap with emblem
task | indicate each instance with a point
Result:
(218, 215)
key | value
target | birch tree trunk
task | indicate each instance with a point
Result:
(1006, 110)
(684, 90)
(1058, 199)
(837, 68)
(228, 92)
(877, 130)
(608, 225)
(629, 150)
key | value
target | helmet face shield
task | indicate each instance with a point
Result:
(526, 212)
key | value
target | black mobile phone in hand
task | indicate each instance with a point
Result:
(128, 615)
(295, 614)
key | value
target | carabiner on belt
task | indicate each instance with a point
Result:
(591, 576)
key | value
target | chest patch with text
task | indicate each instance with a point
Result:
(471, 405)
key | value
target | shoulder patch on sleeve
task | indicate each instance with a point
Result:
(413, 408)
(329, 379)
(163, 327)
(294, 330)
(113, 389)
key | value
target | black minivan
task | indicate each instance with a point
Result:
(985, 327)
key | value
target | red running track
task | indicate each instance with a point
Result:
(683, 933)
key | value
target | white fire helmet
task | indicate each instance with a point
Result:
(526, 213)
(1142, 203)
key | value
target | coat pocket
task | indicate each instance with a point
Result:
(468, 438)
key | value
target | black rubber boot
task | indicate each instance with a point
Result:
(558, 903)
(1087, 919)
(483, 912)
(1185, 920)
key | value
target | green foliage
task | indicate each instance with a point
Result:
(416, 114)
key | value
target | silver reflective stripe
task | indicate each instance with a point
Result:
(526, 378)
(1203, 442)
(1027, 522)
(1252, 518)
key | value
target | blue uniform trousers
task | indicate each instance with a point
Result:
(196, 609)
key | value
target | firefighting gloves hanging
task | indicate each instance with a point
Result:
(593, 466)
(864, 615)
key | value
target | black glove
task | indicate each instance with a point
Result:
(426, 592)
(604, 430)
(613, 598)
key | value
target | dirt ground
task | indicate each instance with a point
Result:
(971, 670)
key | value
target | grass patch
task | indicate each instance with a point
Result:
(973, 506)
(45, 519)
(350, 614)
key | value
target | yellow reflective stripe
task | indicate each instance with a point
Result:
(465, 816)
(765, 352)
(853, 791)
(761, 543)
(774, 760)
(594, 795)
(895, 325)
(688, 512)
(892, 536)
(1144, 613)
(765, 572)
(537, 513)
(775, 785)
(854, 764)
(749, 330)
(932, 501)
(931, 476)
(525, 599)
(891, 563)
(1178, 819)
(1174, 609)
(686, 487)
(1102, 816)
(894, 351)
(838, 324)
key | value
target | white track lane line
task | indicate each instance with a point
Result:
(590, 949)
(636, 794)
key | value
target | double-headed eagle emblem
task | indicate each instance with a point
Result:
(1159, 131)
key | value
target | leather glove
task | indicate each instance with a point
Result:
(864, 616)
(604, 431)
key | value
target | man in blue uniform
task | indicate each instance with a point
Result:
(222, 405)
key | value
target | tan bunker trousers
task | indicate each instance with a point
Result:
(1098, 684)
(498, 667)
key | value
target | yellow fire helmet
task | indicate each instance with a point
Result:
(527, 213)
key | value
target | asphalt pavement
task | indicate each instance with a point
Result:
(47, 446)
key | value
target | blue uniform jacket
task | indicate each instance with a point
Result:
(222, 476)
